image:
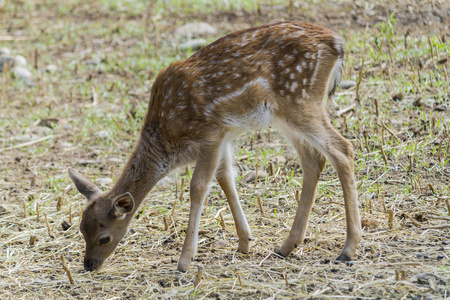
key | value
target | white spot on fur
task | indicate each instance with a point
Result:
(294, 86)
(292, 76)
(298, 68)
(316, 69)
(261, 81)
(304, 94)
(305, 81)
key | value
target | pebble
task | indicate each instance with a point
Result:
(280, 159)
(115, 160)
(22, 138)
(66, 225)
(85, 162)
(250, 176)
(20, 61)
(194, 44)
(397, 97)
(346, 84)
(441, 107)
(104, 181)
(103, 134)
(51, 69)
(5, 51)
(24, 74)
(191, 30)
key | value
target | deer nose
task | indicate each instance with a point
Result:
(92, 264)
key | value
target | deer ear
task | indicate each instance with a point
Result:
(84, 186)
(123, 205)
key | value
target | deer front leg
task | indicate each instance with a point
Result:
(204, 171)
(225, 178)
(312, 165)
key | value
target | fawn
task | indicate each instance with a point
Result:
(276, 74)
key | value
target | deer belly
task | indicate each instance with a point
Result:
(256, 118)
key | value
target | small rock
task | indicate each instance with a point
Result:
(193, 44)
(250, 176)
(51, 69)
(220, 244)
(6, 62)
(441, 107)
(5, 51)
(66, 144)
(84, 162)
(22, 138)
(24, 74)
(397, 97)
(191, 30)
(103, 134)
(2, 209)
(115, 160)
(424, 278)
(50, 122)
(280, 159)
(67, 127)
(66, 225)
(346, 84)
(20, 61)
(104, 181)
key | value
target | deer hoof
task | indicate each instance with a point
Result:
(183, 267)
(343, 257)
(278, 252)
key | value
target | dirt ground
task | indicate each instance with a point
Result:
(86, 114)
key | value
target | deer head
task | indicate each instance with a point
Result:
(104, 222)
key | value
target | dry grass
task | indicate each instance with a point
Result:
(401, 160)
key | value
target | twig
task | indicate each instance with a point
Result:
(30, 142)
(437, 227)
(198, 276)
(64, 265)
(346, 110)
(50, 233)
(258, 197)
(388, 130)
(222, 221)
(268, 255)
(412, 219)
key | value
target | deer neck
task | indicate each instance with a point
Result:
(142, 171)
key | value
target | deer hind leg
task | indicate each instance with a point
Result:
(312, 163)
(225, 178)
(340, 152)
(203, 173)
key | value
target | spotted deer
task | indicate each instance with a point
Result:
(277, 74)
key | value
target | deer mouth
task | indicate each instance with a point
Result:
(92, 264)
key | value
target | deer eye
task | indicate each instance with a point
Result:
(104, 240)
